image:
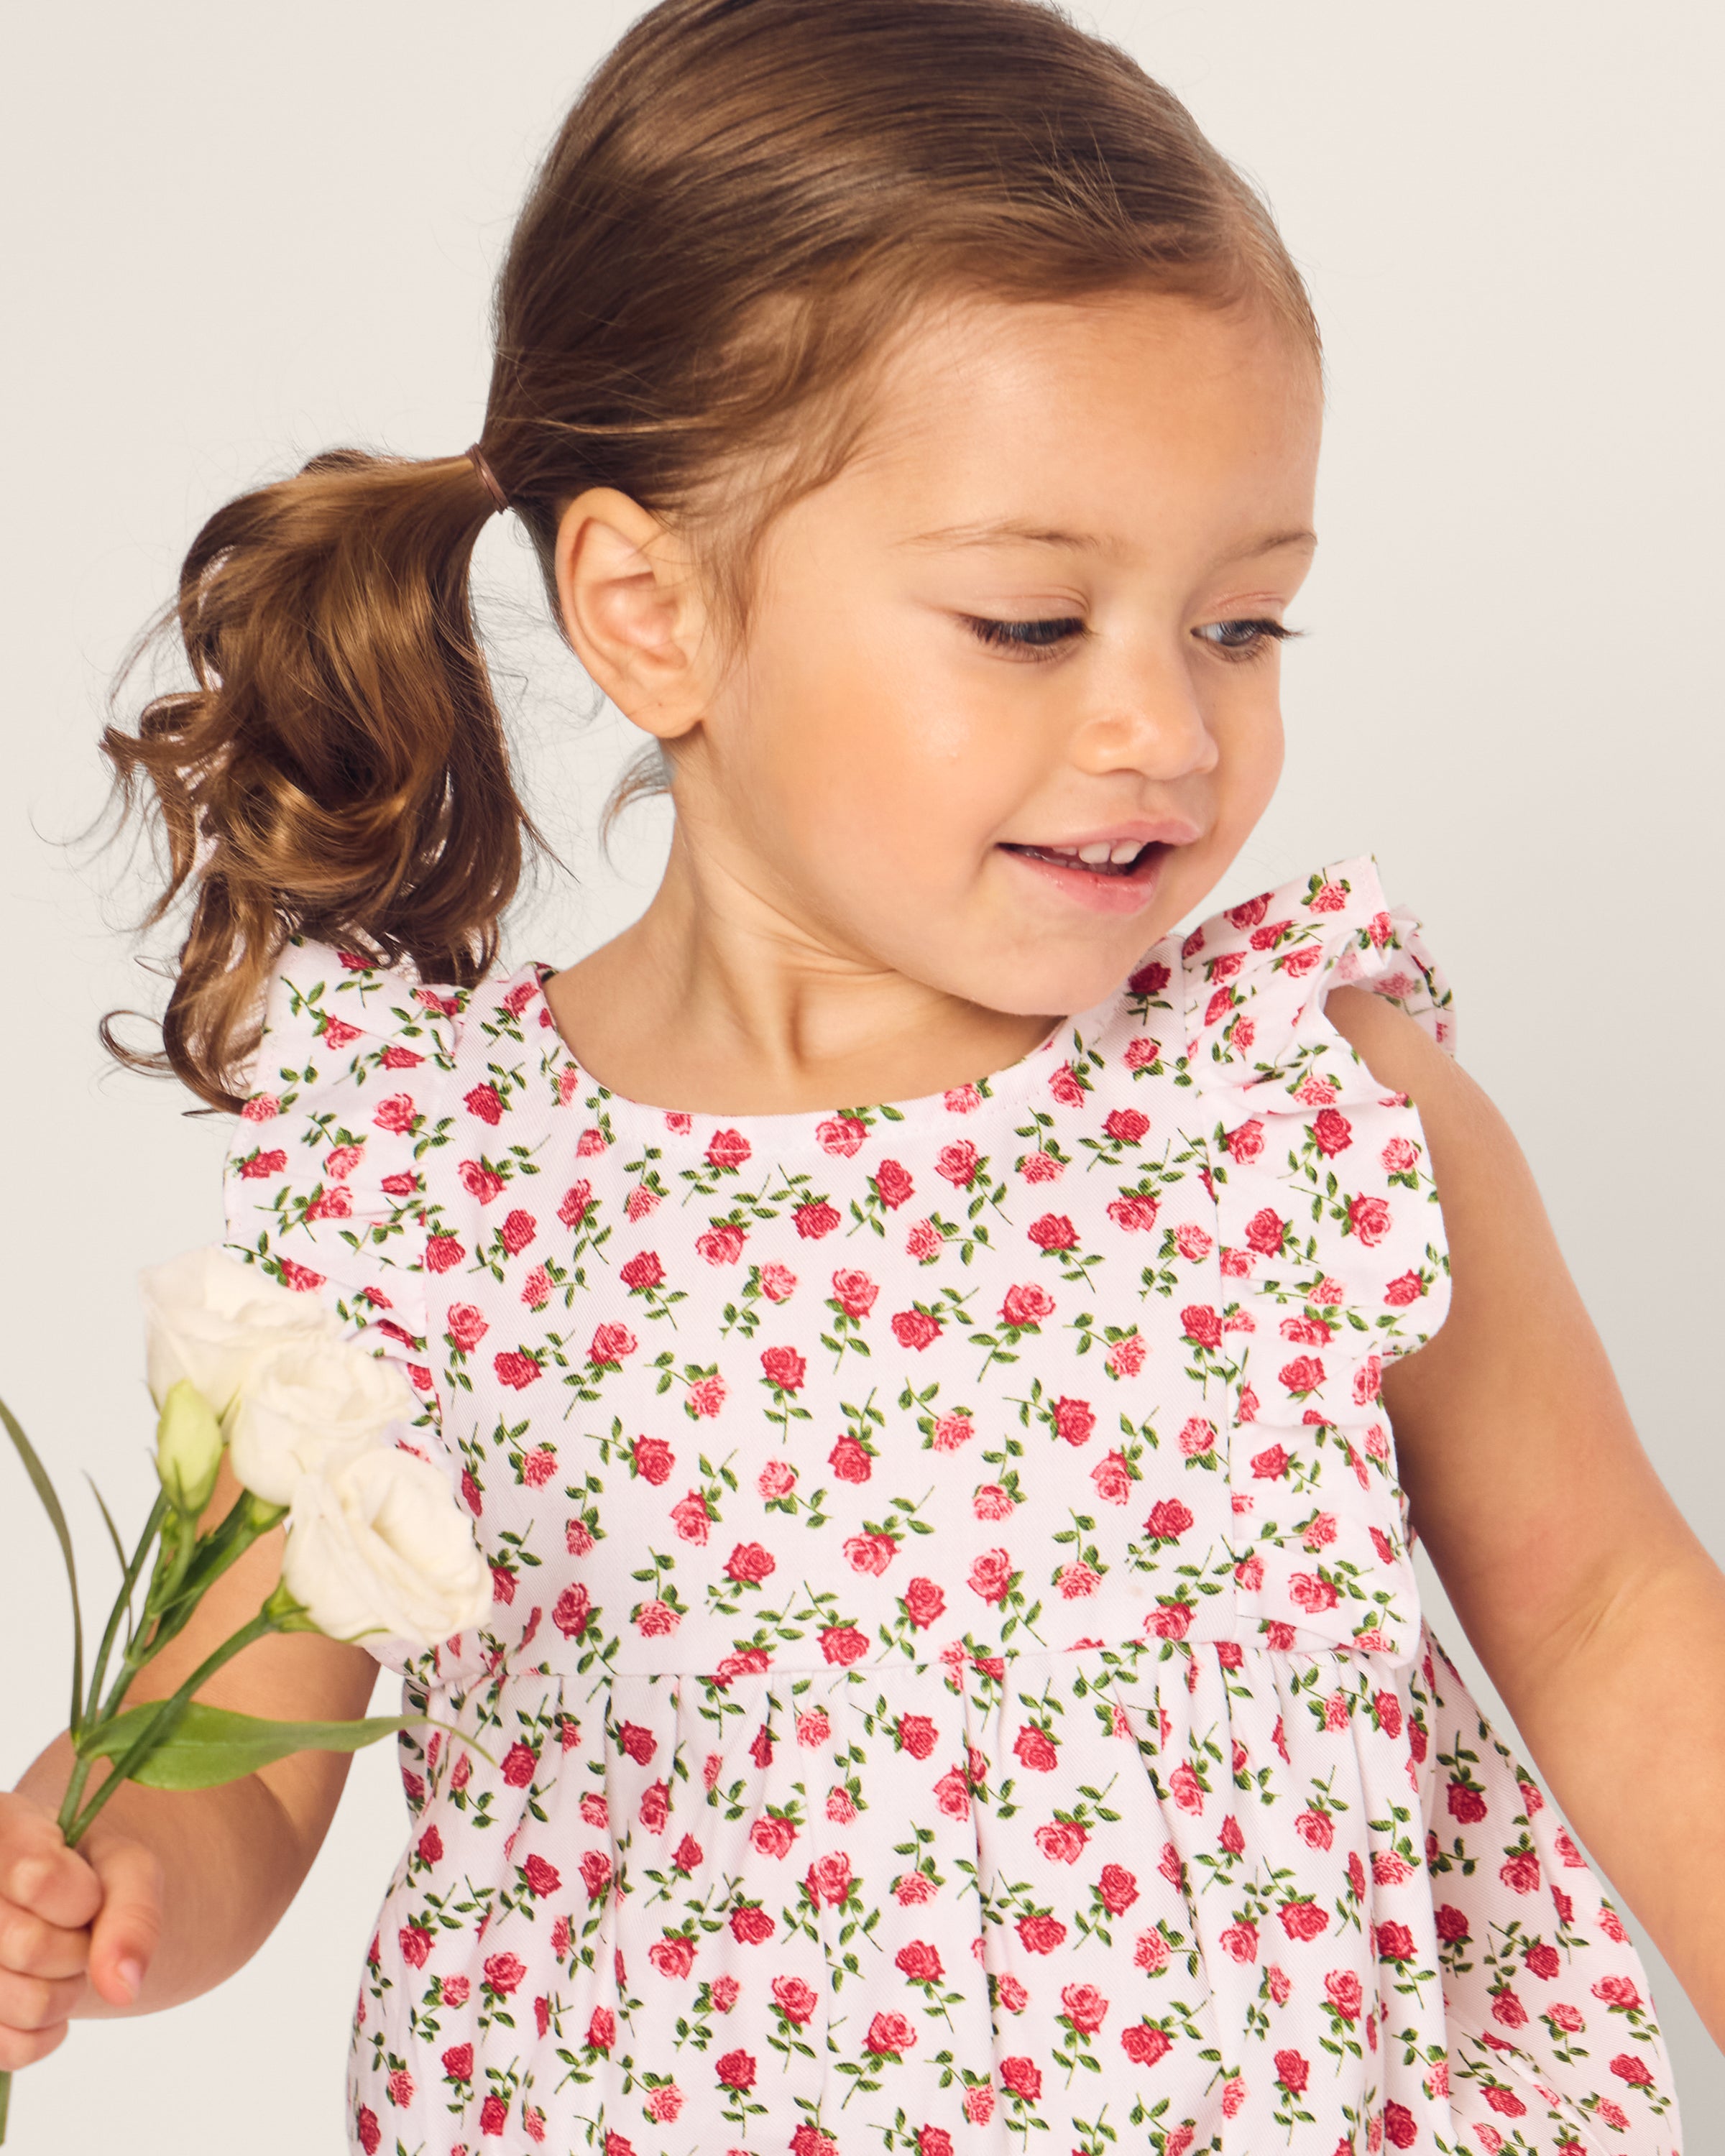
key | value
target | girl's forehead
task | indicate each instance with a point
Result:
(1046, 410)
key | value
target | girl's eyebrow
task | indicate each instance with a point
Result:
(1008, 530)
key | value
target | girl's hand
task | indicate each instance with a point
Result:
(72, 1922)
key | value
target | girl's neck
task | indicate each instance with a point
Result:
(729, 1009)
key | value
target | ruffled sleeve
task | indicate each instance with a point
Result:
(324, 1181)
(1256, 977)
(1333, 1243)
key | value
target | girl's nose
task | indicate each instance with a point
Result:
(1154, 725)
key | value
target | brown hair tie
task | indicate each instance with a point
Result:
(477, 457)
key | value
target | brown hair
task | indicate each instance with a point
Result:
(747, 203)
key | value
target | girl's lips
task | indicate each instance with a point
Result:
(1097, 891)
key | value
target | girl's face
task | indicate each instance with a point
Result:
(1038, 613)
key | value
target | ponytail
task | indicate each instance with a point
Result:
(340, 770)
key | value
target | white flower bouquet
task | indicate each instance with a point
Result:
(375, 1541)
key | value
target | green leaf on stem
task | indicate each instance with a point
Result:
(210, 1745)
(51, 1504)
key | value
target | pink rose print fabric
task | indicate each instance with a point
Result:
(956, 1681)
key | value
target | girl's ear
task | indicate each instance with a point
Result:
(632, 610)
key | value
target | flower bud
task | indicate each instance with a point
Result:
(189, 1448)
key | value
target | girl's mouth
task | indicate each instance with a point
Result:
(1103, 885)
(1132, 857)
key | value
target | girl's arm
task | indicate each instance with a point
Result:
(186, 1885)
(1590, 1600)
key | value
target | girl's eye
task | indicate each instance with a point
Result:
(1235, 640)
(1032, 637)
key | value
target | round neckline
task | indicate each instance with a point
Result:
(1009, 1084)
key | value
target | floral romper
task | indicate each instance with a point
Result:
(956, 1680)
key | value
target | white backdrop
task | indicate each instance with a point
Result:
(234, 236)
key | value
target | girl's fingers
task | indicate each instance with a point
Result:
(38, 1872)
(37, 2006)
(126, 1934)
(30, 1946)
(23, 2047)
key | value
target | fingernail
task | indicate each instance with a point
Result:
(132, 1976)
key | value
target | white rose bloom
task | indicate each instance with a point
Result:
(209, 1316)
(376, 1543)
(306, 1401)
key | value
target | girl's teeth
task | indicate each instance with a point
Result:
(1097, 851)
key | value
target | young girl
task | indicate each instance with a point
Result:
(944, 1370)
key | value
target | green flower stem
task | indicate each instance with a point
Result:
(249, 1518)
(123, 1602)
(75, 1824)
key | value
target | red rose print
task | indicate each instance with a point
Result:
(1304, 1375)
(794, 2000)
(843, 1645)
(458, 2062)
(1083, 2007)
(850, 1460)
(1054, 1231)
(1395, 1943)
(722, 1243)
(992, 1575)
(920, 1963)
(841, 1135)
(772, 1834)
(1369, 1219)
(1244, 1143)
(1331, 1132)
(815, 1219)
(915, 1328)
(923, 1602)
(516, 1370)
(1035, 1749)
(503, 1972)
(736, 2069)
(892, 1186)
(466, 1327)
(1062, 1841)
(691, 1517)
(673, 1955)
(1466, 1805)
(573, 1612)
(1201, 1325)
(1303, 1919)
(1400, 2128)
(751, 1926)
(610, 1344)
(830, 1880)
(784, 1368)
(1144, 2044)
(1026, 1307)
(1118, 1888)
(727, 1149)
(1292, 2072)
(1344, 1991)
(644, 1271)
(1126, 1125)
(889, 2035)
(1040, 1935)
(1168, 1519)
(870, 1554)
(1113, 1480)
(1022, 2078)
(749, 1561)
(854, 1293)
(1135, 1211)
